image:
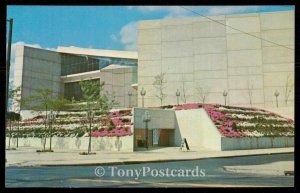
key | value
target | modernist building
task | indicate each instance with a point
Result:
(194, 53)
(62, 70)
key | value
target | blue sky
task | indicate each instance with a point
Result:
(100, 27)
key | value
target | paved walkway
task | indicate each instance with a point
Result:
(29, 157)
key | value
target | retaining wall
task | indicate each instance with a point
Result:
(230, 143)
(66, 143)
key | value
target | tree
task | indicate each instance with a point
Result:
(250, 91)
(159, 84)
(184, 91)
(14, 95)
(202, 92)
(288, 88)
(96, 98)
(12, 116)
(56, 105)
(40, 101)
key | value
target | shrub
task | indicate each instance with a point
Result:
(111, 127)
(86, 153)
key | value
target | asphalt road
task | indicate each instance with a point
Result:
(203, 173)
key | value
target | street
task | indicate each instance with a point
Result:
(215, 176)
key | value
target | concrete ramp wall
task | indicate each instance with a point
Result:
(197, 128)
(240, 143)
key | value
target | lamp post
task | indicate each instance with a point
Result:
(129, 96)
(225, 93)
(276, 94)
(45, 137)
(143, 93)
(90, 116)
(8, 56)
(146, 119)
(177, 95)
(18, 121)
(51, 118)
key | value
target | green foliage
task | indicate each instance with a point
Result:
(95, 128)
(125, 120)
(58, 104)
(41, 100)
(111, 127)
(13, 116)
(234, 126)
(95, 97)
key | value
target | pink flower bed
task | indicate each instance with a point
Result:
(225, 127)
(118, 122)
(119, 114)
(188, 106)
(114, 132)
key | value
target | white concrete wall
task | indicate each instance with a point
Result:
(238, 143)
(119, 81)
(164, 119)
(197, 128)
(198, 52)
(36, 69)
(68, 143)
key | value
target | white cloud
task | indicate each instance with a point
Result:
(114, 37)
(128, 36)
(171, 11)
(223, 10)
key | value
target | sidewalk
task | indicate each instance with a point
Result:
(281, 168)
(29, 156)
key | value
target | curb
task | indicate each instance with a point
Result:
(255, 171)
(144, 161)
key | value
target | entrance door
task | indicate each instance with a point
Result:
(163, 139)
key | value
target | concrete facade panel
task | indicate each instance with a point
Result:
(243, 41)
(177, 65)
(245, 24)
(208, 29)
(212, 85)
(277, 54)
(210, 62)
(240, 82)
(149, 52)
(210, 74)
(118, 79)
(277, 20)
(232, 71)
(178, 78)
(244, 58)
(177, 49)
(236, 97)
(209, 45)
(151, 70)
(149, 36)
(285, 67)
(176, 21)
(280, 80)
(177, 33)
(148, 24)
(282, 37)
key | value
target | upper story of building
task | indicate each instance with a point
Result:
(250, 56)
(62, 69)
